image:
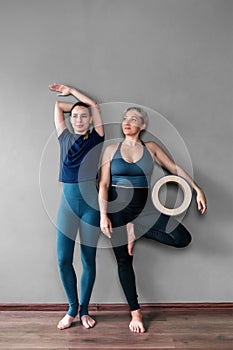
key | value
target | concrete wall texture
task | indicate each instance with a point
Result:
(173, 56)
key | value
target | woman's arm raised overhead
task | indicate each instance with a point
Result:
(65, 107)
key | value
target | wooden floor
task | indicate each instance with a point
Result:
(190, 330)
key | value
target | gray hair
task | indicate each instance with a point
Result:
(143, 114)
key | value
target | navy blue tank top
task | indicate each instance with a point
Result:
(125, 174)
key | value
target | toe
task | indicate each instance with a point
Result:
(65, 322)
(85, 324)
(87, 321)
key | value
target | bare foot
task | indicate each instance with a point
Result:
(136, 324)
(65, 322)
(87, 321)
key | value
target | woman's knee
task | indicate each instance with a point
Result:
(64, 262)
(183, 240)
(88, 256)
(179, 233)
(124, 260)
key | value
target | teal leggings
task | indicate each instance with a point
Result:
(78, 212)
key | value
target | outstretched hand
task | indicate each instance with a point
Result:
(62, 89)
(201, 201)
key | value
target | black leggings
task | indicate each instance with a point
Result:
(134, 205)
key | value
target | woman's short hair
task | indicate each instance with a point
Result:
(82, 104)
(143, 114)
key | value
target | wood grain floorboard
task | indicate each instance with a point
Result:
(192, 330)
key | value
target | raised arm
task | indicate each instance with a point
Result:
(164, 160)
(97, 119)
(59, 118)
(62, 107)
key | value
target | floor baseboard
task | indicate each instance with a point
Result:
(122, 307)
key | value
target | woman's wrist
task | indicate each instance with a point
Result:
(198, 189)
(72, 90)
(103, 215)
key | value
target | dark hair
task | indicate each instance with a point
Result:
(82, 104)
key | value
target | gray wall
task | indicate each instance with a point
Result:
(173, 56)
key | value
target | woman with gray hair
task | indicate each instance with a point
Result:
(123, 198)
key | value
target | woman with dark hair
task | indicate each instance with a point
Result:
(123, 198)
(79, 156)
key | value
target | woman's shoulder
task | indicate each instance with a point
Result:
(64, 134)
(110, 150)
(151, 145)
(95, 133)
(113, 146)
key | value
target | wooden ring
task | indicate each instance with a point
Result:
(186, 191)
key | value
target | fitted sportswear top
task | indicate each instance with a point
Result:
(79, 156)
(125, 174)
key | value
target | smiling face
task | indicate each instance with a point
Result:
(132, 123)
(80, 120)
